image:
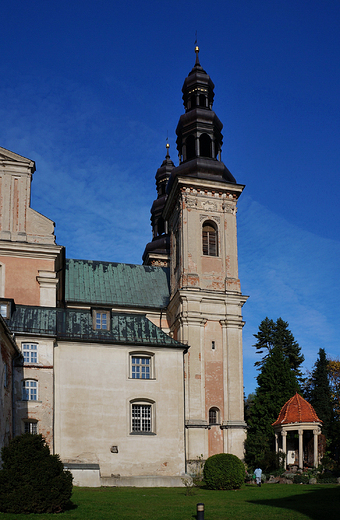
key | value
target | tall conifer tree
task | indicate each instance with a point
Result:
(319, 393)
(277, 382)
(276, 334)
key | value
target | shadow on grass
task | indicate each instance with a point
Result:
(319, 504)
(70, 506)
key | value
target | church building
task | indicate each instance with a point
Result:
(132, 373)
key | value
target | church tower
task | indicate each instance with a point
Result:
(205, 293)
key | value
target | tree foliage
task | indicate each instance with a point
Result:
(223, 471)
(318, 392)
(31, 479)
(276, 334)
(277, 382)
(334, 381)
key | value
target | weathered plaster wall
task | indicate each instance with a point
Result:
(40, 410)
(93, 391)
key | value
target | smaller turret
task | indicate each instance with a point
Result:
(157, 252)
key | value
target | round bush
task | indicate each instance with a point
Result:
(224, 471)
(31, 479)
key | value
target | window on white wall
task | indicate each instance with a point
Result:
(29, 390)
(31, 427)
(142, 417)
(141, 367)
(30, 352)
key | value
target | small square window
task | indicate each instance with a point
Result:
(31, 427)
(30, 352)
(101, 320)
(4, 310)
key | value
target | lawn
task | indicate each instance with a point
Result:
(271, 501)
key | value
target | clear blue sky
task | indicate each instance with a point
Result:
(90, 89)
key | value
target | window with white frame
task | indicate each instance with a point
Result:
(101, 320)
(141, 367)
(142, 420)
(5, 310)
(30, 352)
(29, 390)
(31, 427)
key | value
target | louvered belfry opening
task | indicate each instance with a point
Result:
(210, 239)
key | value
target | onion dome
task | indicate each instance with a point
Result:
(199, 137)
(297, 410)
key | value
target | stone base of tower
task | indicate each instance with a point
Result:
(202, 441)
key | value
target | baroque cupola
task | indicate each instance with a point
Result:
(157, 251)
(199, 130)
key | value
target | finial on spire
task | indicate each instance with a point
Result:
(196, 50)
(167, 147)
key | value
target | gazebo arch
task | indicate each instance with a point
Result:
(297, 415)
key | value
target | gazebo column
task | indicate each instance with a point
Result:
(300, 448)
(276, 443)
(284, 447)
(316, 451)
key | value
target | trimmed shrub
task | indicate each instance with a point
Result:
(31, 479)
(224, 471)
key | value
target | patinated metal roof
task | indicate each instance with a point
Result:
(77, 325)
(109, 283)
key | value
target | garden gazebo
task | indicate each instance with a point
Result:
(297, 420)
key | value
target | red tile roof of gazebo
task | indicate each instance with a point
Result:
(297, 410)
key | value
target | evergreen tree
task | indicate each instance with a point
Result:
(277, 382)
(276, 334)
(318, 392)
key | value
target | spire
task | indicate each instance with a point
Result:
(199, 130)
(157, 251)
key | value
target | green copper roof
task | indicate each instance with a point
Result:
(109, 283)
(77, 325)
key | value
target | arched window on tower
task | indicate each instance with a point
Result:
(190, 147)
(161, 228)
(205, 146)
(193, 101)
(210, 239)
(214, 416)
(203, 101)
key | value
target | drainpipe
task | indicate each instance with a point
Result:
(184, 403)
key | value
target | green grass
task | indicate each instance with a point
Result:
(271, 501)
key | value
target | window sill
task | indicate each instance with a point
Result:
(142, 433)
(142, 378)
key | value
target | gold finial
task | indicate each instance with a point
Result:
(167, 145)
(197, 49)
